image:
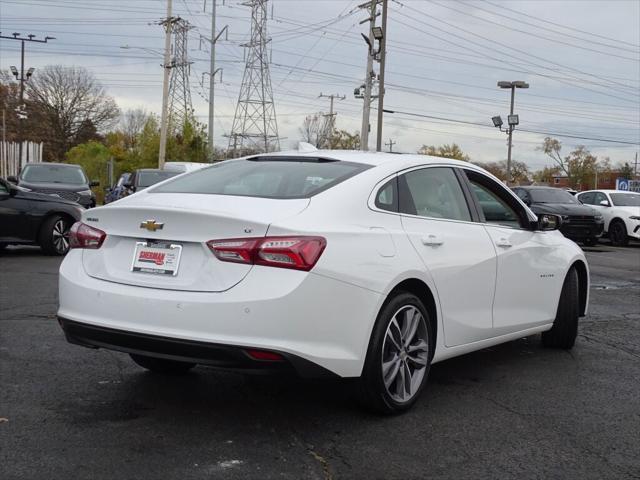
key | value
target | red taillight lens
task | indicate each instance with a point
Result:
(264, 355)
(299, 253)
(82, 235)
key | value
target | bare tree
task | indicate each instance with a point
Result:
(74, 105)
(132, 124)
(316, 130)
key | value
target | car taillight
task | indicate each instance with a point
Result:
(297, 252)
(82, 235)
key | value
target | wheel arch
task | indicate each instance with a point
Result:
(583, 285)
(421, 290)
(50, 214)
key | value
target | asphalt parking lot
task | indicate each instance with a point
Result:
(513, 411)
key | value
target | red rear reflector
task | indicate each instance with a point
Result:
(296, 252)
(264, 355)
(82, 235)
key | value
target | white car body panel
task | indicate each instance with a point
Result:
(617, 212)
(483, 296)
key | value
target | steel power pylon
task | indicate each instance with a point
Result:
(254, 123)
(180, 108)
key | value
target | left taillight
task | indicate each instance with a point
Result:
(82, 235)
(295, 252)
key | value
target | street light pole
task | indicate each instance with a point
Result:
(512, 119)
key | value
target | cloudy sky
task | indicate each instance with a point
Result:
(581, 58)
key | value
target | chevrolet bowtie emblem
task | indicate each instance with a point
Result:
(152, 225)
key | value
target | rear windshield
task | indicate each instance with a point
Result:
(266, 177)
(148, 178)
(53, 174)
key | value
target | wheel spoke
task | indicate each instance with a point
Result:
(390, 370)
(400, 384)
(396, 342)
(413, 318)
(421, 346)
(407, 380)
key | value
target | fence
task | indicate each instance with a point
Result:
(10, 161)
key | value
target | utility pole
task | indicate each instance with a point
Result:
(212, 75)
(332, 116)
(635, 167)
(390, 145)
(164, 120)
(368, 79)
(22, 79)
(383, 60)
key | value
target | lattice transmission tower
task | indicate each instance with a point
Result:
(180, 108)
(254, 123)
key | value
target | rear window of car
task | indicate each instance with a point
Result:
(266, 177)
(151, 177)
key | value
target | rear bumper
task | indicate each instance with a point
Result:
(321, 320)
(215, 355)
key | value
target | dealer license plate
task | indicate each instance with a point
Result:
(156, 258)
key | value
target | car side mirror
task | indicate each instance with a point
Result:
(94, 183)
(548, 222)
(12, 179)
(604, 203)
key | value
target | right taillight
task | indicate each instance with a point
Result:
(82, 235)
(296, 252)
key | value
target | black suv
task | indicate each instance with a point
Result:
(580, 223)
(58, 179)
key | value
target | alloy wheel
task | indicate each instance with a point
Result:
(60, 236)
(405, 354)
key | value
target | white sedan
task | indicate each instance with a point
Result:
(621, 212)
(346, 264)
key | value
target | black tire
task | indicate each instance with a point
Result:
(161, 365)
(372, 392)
(618, 233)
(565, 326)
(54, 235)
(590, 242)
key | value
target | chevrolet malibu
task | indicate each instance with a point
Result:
(346, 264)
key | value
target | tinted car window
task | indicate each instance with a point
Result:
(148, 178)
(626, 199)
(3, 188)
(522, 194)
(43, 173)
(600, 197)
(271, 177)
(587, 198)
(434, 193)
(387, 197)
(497, 204)
(551, 195)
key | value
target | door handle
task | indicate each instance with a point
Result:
(432, 240)
(504, 243)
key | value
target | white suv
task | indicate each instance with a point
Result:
(621, 212)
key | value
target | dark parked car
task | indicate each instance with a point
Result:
(117, 191)
(144, 178)
(28, 218)
(61, 179)
(580, 223)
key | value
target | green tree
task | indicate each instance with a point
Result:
(519, 170)
(579, 165)
(625, 171)
(93, 157)
(447, 151)
(343, 140)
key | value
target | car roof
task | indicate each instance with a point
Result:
(540, 187)
(604, 190)
(368, 158)
(47, 164)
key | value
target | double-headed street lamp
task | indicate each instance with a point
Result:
(512, 119)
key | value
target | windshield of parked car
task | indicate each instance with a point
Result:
(42, 173)
(626, 199)
(266, 177)
(551, 195)
(151, 177)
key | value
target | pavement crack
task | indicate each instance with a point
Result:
(589, 338)
(323, 461)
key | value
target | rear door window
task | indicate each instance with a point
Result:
(433, 192)
(266, 177)
(587, 198)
